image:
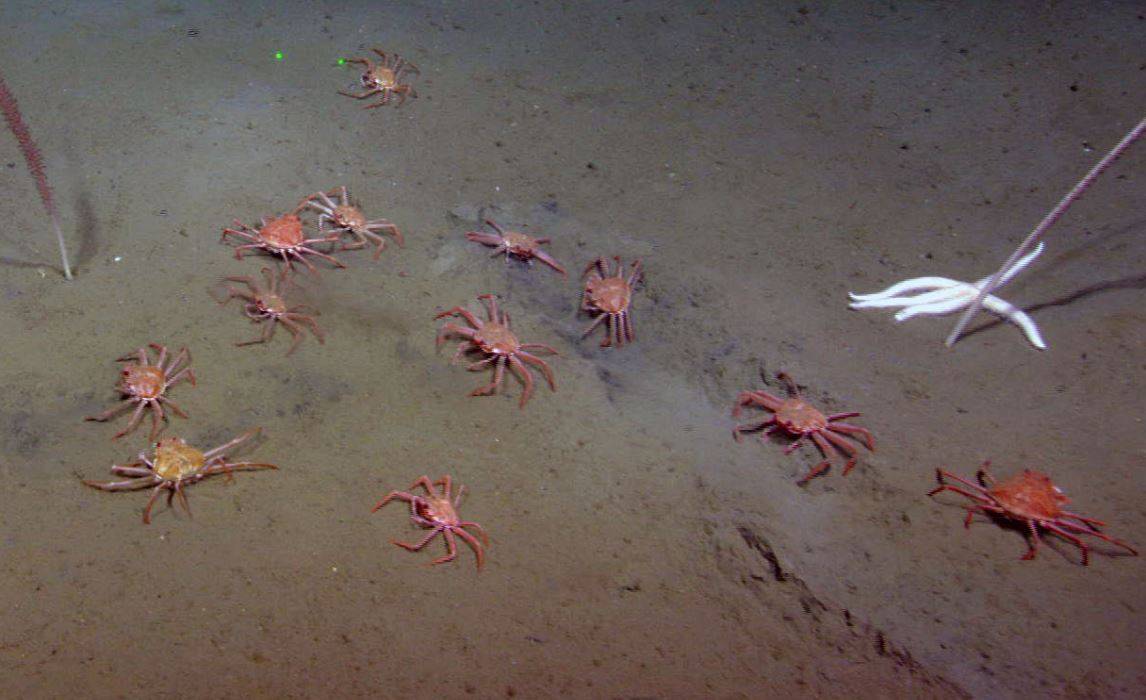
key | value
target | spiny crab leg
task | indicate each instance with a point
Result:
(226, 446)
(464, 313)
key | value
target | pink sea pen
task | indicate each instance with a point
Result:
(35, 163)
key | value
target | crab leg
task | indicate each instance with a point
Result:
(480, 363)
(156, 417)
(424, 482)
(498, 372)
(545, 258)
(389, 497)
(796, 445)
(485, 238)
(449, 329)
(182, 374)
(178, 489)
(941, 474)
(128, 485)
(135, 418)
(761, 399)
(479, 528)
(150, 502)
(268, 333)
(361, 95)
(526, 377)
(814, 472)
(962, 492)
(423, 543)
(635, 274)
(139, 355)
(112, 412)
(841, 445)
(385, 99)
(387, 225)
(178, 411)
(749, 427)
(305, 321)
(303, 249)
(162, 350)
(464, 313)
(596, 322)
(1090, 531)
(130, 470)
(295, 332)
(862, 434)
(540, 364)
(463, 348)
(226, 446)
(451, 546)
(472, 542)
(228, 467)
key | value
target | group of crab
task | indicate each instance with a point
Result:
(145, 381)
(1029, 498)
(607, 295)
(284, 237)
(173, 464)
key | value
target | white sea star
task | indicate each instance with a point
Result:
(948, 296)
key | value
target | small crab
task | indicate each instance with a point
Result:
(514, 243)
(385, 77)
(174, 466)
(609, 297)
(1032, 499)
(145, 384)
(797, 417)
(435, 511)
(494, 338)
(347, 218)
(265, 303)
(281, 236)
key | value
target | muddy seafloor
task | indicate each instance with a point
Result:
(762, 162)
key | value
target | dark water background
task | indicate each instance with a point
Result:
(763, 160)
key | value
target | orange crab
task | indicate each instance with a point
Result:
(385, 77)
(494, 338)
(609, 297)
(281, 236)
(265, 303)
(797, 417)
(514, 243)
(435, 511)
(174, 466)
(347, 218)
(1032, 499)
(144, 384)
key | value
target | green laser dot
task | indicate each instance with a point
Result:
(342, 61)
(279, 55)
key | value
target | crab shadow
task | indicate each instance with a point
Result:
(1047, 540)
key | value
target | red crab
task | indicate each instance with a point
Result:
(797, 417)
(266, 302)
(145, 385)
(281, 236)
(514, 243)
(1032, 499)
(435, 511)
(609, 297)
(495, 339)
